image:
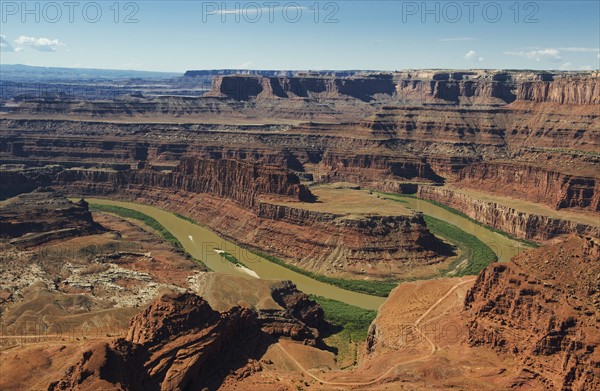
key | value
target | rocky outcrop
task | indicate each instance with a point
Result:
(352, 243)
(42, 215)
(574, 91)
(453, 88)
(375, 170)
(541, 308)
(301, 318)
(298, 305)
(179, 342)
(239, 181)
(525, 225)
(553, 188)
(246, 87)
(502, 87)
(474, 87)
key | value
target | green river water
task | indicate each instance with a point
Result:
(201, 243)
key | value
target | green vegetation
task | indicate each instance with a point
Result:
(149, 221)
(186, 218)
(475, 254)
(375, 288)
(398, 198)
(230, 258)
(353, 324)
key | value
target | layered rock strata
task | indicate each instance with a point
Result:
(553, 188)
(519, 223)
(542, 309)
(478, 87)
(224, 195)
(179, 342)
(239, 181)
(33, 218)
(531, 135)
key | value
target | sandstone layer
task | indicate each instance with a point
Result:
(517, 222)
(531, 135)
(542, 308)
(550, 187)
(180, 342)
(457, 87)
(44, 215)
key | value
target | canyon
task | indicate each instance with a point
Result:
(320, 172)
(216, 192)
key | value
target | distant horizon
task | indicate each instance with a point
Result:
(302, 70)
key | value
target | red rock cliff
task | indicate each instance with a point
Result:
(542, 308)
(563, 91)
(239, 181)
(553, 188)
(180, 343)
(469, 87)
(521, 224)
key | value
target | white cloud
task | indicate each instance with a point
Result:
(5, 46)
(472, 55)
(456, 39)
(245, 65)
(580, 50)
(42, 44)
(539, 54)
(585, 68)
(264, 11)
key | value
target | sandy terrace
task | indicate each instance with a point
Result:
(347, 199)
(586, 217)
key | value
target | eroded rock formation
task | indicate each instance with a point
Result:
(238, 199)
(237, 180)
(479, 87)
(526, 225)
(529, 135)
(553, 188)
(179, 342)
(542, 309)
(42, 215)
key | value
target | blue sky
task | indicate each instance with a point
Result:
(386, 35)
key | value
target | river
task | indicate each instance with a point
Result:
(504, 248)
(201, 243)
